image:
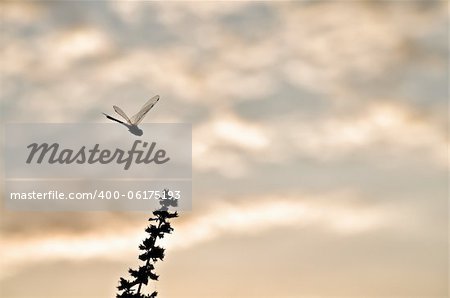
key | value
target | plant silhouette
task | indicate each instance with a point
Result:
(151, 252)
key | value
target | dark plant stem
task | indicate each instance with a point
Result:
(148, 260)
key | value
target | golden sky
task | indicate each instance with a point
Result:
(320, 135)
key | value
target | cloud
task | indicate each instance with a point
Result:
(373, 75)
(80, 43)
(232, 146)
(222, 143)
(21, 13)
(381, 126)
(330, 213)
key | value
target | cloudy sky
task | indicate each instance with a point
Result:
(319, 144)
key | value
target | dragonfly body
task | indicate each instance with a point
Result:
(132, 123)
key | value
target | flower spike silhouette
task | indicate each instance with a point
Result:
(151, 252)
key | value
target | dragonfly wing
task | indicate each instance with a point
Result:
(136, 119)
(122, 113)
(113, 119)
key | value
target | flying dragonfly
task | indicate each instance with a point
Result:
(132, 123)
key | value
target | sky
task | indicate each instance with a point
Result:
(320, 136)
